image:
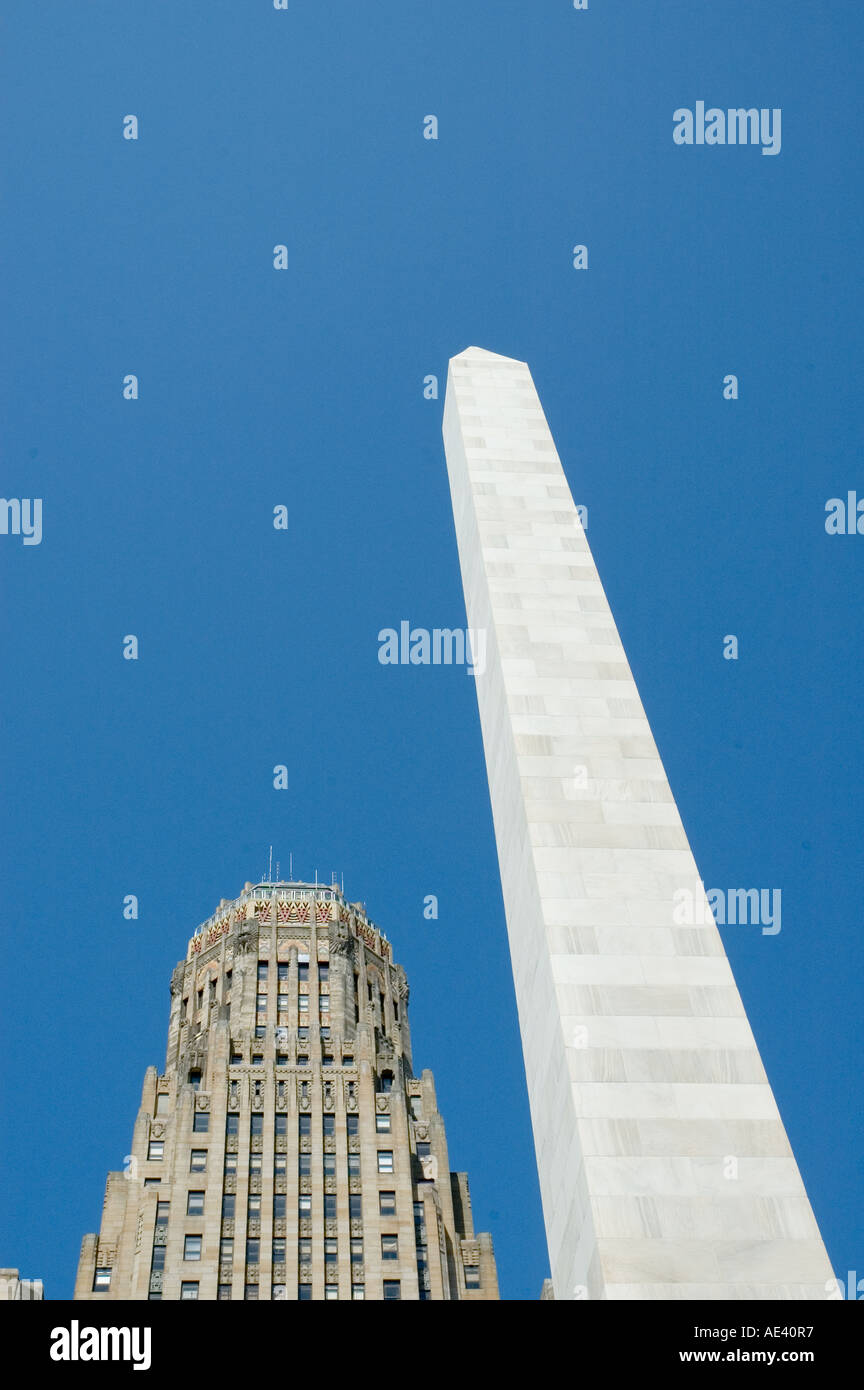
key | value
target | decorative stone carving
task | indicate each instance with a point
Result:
(230, 1182)
(421, 1130)
(157, 1129)
(254, 1227)
(227, 1228)
(160, 1235)
(279, 1228)
(202, 1101)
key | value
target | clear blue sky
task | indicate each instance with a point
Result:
(304, 387)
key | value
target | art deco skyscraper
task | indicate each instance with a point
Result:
(288, 1150)
(665, 1171)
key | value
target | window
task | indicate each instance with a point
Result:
(356, 1250)
(280, 1163)
(331, 1251)
(162, 1102)
(386, 1081)
(358, 1293)
(236, 1059)
(302, 1059)
(329, 1123)
(251, 1293)
(255, 1163)
(304, 1250)
(389, 1247)
(305, 1124)
(304, 1165)
(261, 1004)
(279, 1291)
(304, 1208)
(355, 1206)
(329, 1165)
(102, 1280)
(330, 1206)
(260, 1032)
(253, 1250)
(302, 968)
(353, 1165)
(279, 1210)
(382, 1123)
(392, 1290)
(281, 1122)
(162, 1209)
(228, 1207)
(258, 1057)
(325, 1034)
(158, 1260)
(331, 1292)
(189, 1290)
(184, 1010)
(353, 1125)
(303, 1001)
(385, 1160)
(323, 971)
(232, 1122)
(195, 1077)
(223, 1292)
(152, 1182)
(192, 1248)
(263, 967)
(226, 1248)
(254, 1207)
(347, 1061)
(387, 1203)
(230, 1162)
(201, 1122)
(282, 1002)
(195, 1204)
(327, 1060)
(155, 1150)
(324, 1004)
(303, 1034)
(256, 1123)
(278, 1250)
(304, 1292)
(282, 1058)
(472, 1276)
(282, 971)
(423, 1149)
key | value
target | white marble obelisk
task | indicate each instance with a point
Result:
(665, 1170)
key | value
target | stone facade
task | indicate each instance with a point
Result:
(287, 1150)
(665, 1170)
(17, 1290)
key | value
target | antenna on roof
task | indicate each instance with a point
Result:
(270, 867)
(278, 880)
(290, 867)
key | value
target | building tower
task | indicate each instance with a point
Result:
(665, 1170)
(288, 1151)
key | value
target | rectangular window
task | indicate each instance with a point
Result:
(304, 1165)
(230, 1162)
(201, 1122)
(158, 1260)
(282, 1058)
(228, 1206)
(330, 1206)
(302, 1059)
(304, 1208)
(258, 1057)
(251, 1293)
(304, 1124)
(198, 1161)
(260, 1032)
(255, 1162)
(355, 1206)
(192, 1247)
(304, 1292)
(254, 1207)
(261, 1003)
(353, 1165)
(302, 968)
(279, 1292)
(278, 1250)
(195, 1075)
(325, 1034)
(303, 1001)
(280, 1163)
(382, 1123)
(385, 1160)
(223, 1292)
(226, 1248)
(256, 1122)
(253, 1250)
(331, 1293)
(347, 1061)
(387, 1203)
(282, 1003)
(304, 1250)
(472, 1276)
(152, 1182)
(392, 1290)
(279, 1211)
(423, 1150)
(189, 1290)
(102, 1280)
(263, 967)
(155, 1150)
(303, 1034)
(323, 971)
(328, 1122)
(329, 1165)
(195, 1204)
(356, 1250)
(327, 1060)
(162, 1209)
(331, 1251)
(236, 1059)
(324, 1004)
(389, 1247)
(353, 1125)
(282, 971)
(358, 1293)
(162, 1103)
(232, 1122)
(281, 1122)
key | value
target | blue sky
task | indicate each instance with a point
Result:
(304, 388)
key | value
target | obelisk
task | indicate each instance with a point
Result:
(665, 1170)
